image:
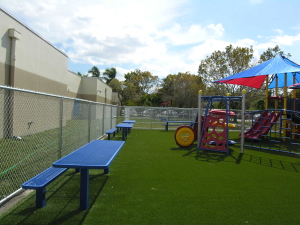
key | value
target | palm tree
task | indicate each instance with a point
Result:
(94, 71)
(109, 74)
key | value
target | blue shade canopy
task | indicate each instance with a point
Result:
(292, 78)
(255, 76)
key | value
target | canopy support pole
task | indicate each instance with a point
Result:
(267, 93)
(285, 104)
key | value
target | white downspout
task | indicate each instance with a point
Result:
(14, 35)
(9, 107)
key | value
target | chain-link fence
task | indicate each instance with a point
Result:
(152, 117)
(37, 129)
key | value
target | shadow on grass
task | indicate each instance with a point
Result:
(62, 203)
(202, 155)
(274, 163)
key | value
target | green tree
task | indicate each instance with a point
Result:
(181, 89)
(128, 93)
(271, 53)
(221, 64)
(144, 81)
(80, 74)
(149, 100)
(109, 74)
(94, 71)
(116, 85)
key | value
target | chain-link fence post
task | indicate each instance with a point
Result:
(89, 121)
(61, 127)
(103, 118)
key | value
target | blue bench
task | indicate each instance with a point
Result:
(97, 154)
(111, 131)
(179, 123)
(40, 181)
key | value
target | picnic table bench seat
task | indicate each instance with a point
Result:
(111, 131)
(177, 123)
(40, 181)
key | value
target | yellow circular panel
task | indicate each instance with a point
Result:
(184, 136)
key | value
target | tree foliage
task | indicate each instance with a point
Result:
(271, 53)
(150, 100)
(109, 74)
(144, 81)
(221, 64)
(181, 89)
(126, 91)
(94, 71)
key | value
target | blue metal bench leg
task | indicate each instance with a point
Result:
(106, 171)
(40, 197)
(108, 137)
(123, 134)
(84, 188)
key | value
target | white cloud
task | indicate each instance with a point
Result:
(158, 36)
(207, 48)
(179, 35)
(286, 39)
(279, 31)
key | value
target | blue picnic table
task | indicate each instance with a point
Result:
(97, 154)
(125, 129)
(129, 121)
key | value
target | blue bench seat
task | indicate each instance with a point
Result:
(179, 123)
(40, 181)
(111, 131)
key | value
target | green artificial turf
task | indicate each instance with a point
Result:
(152, 181)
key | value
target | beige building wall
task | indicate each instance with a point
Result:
(39, 66)
(30, 62)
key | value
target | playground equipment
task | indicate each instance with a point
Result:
(262, 125)
(212, 129)
(222, 112)
(278, 72)
(277, 125)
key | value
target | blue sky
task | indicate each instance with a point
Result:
(160, 36)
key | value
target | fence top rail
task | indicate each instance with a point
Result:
(50, 95)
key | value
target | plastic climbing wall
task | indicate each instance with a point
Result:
(214, 134)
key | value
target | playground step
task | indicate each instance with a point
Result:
(274, 141)
(294, 143)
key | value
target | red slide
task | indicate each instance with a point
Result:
(262, 126)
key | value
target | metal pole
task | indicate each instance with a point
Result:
(103, 118)
(199, 118)
(89, 121)
(61, 127)
(227, 120)
(285, 104)
(111, 116)
(243, 120)
(267, 93)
